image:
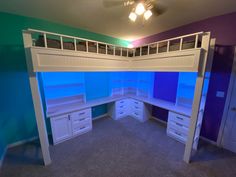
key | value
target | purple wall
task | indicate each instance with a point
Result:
(219, 81)
(163, 82)
(223, 29)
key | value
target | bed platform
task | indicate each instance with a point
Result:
(57, 52)
(52, 52)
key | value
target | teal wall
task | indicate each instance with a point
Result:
(97, 85)
(17, 120)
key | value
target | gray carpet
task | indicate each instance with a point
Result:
(123, 148)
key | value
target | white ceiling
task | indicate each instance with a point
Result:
(93, 16)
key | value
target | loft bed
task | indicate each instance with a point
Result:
(52, 52)
(57, 52)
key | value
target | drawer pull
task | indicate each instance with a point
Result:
(82, 113)
(121, 101)
(82, 119)
(82, 127)
(121, 106)
(136, 107)
(136, 102)
(179, 124)
(136, 113)
(121, 112)
(177, 133)
(180, 118)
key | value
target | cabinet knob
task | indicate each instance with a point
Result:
(69, 117)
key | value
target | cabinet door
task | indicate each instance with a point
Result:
(61, 128)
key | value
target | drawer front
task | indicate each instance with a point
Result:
(82, 121)
(121, 106)
(120, 113)
(179, 136)
(138, 107)
(123, 102)
(82, 128)
(79, 120)
(183, 120)
(179, 127)
(138, 115)
(81, 114)
(137, 103)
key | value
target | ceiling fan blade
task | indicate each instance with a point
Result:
(113, 3)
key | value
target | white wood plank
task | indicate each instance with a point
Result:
(45, 59)
(197, 99)
(37, 102)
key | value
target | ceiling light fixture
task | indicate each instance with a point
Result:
(147, 14)
(132, 16)
(140, 9)
(130, 46)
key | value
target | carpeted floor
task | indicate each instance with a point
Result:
(123, 148)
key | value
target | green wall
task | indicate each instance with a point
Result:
(17, 119)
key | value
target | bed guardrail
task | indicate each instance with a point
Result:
(65, 42)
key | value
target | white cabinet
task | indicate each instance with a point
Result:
(137, 110)
(178, 127)
(119, 109)
(129, 107)
(81, 122)
(69, 125)
(61, 128)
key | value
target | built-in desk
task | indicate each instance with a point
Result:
(58, 109)
(73, 116)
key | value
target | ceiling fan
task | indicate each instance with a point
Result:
(144, 8)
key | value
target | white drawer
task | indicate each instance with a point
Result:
(177, 135)
(179, 127)
(120, 113)
(121, 102)
(121, 106)
(81, 128)
(137, 114)
(183, 120)
(137, 103)
(137, 107)
(81, 114)
(76, 120)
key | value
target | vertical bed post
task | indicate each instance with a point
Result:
(38, 108)
(197, 97)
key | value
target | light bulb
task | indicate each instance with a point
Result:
(140, 9)
(147, 14)
(130, 46)
(132, 16)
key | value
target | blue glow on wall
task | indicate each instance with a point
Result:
(145, 81)
(186, 84)
(97, 85)
(116, 79)
(130, 79)
(63, 84)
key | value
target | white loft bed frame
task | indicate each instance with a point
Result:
(44, 59)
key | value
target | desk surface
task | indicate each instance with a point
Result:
(53, 111)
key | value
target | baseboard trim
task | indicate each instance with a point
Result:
(159, 120)
(2, 158)
(208, 141)
(99, 117)
(14, 145)
(22, 142)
